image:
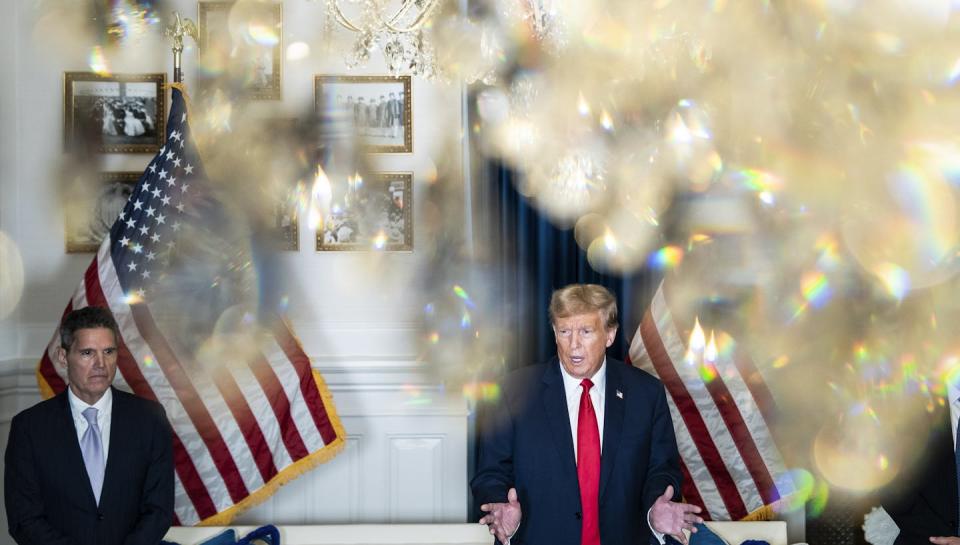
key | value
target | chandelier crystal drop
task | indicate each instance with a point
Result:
(394, 27)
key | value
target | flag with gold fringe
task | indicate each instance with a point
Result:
(248, 411)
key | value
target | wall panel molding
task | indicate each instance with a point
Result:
(404, 459)
(416, 467)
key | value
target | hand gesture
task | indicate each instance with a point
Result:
(669, 517)
(503, 519)
(945, 540)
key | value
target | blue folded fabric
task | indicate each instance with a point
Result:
(705, 536)
(266, 535)
(755, 542)
(226, 537)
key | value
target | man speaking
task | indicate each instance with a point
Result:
(581, 450)
(93, 465)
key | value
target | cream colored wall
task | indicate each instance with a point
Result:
(30, 152)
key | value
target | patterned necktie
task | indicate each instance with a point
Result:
(91, 445)
(588, 467)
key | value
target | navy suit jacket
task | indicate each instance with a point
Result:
(923, 501)
(527, 444)
(47, 491)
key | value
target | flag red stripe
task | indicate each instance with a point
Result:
(692, 418)
(277, 397)
(742, 439)
(247, 423)
(189, 476)
(47, 368)
(308, 385)
(191, 480)
(49, 373)
(191, 402)
(740, 434)
(690, 492)
(755, 383)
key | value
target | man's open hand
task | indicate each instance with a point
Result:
(945, 540)
(669, 517)
(503, 519)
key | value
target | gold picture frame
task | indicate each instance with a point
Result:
(262, 77)
(117, 113)
(88, 220)
(383, 125)
(375, 214)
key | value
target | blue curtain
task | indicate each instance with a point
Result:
(532, 259)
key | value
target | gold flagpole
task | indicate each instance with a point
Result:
(177, 30)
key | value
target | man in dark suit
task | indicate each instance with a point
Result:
(923, 501)
(541, 478)
(92, 465)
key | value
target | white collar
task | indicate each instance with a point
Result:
(599, 379)
(103, 405)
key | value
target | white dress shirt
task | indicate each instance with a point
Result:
(104, 407)
(574, 391)
(598, 393)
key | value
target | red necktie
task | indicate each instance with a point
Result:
(588, 467)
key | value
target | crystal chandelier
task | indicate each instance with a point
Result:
(545, 22)
(393, 26)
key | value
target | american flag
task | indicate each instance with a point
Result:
(242, 429)
(722, 415)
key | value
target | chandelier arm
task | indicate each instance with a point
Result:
(404, 8)
(421, 19)
(342, 19)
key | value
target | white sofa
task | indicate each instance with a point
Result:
(774, 532)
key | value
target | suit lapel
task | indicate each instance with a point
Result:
(554, 400)
(73, 456)
(613, 408)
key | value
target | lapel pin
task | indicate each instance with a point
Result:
(619, 394)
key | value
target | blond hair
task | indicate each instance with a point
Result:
(582, 299)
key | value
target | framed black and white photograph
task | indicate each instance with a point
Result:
(119, 113)
(380, 108)
(375, 214)
(89, 219)
(241, 45)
